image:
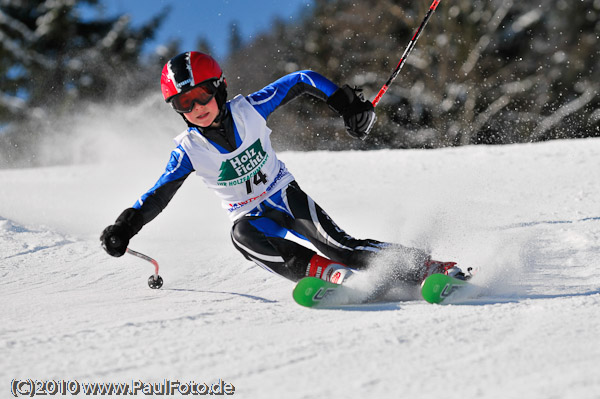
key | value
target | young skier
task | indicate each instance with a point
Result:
(227, 143)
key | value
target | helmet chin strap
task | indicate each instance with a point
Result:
(222, 113)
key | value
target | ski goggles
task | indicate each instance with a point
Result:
(201, 94)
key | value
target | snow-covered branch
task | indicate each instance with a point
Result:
(569, 108)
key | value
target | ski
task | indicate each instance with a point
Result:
(314, 292)
(437, 288)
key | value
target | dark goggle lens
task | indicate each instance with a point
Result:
(184, 102)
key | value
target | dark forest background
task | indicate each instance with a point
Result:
(483, 72)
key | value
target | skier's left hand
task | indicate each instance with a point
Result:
(358, 113)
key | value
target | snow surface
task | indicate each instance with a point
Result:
(526, 215)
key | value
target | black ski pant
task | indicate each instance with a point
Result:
(259, 236)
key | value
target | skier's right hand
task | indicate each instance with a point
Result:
(115, 238)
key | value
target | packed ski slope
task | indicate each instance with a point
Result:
(526, 215)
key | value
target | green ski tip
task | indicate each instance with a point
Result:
(438, 287)
(310, 291)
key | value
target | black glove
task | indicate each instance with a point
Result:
(115, 238)
(358, 113)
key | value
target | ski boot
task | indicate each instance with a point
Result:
(448, 268)
(328, 270)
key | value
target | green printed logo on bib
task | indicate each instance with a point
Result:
(243, 166)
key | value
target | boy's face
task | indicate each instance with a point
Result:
(203, 115)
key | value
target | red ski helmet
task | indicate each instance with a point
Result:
(187, 70)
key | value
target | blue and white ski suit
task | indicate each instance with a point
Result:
(258, 192)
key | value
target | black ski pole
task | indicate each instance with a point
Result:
(154, 281)
(409, 48)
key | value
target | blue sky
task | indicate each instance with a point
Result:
(191, 19)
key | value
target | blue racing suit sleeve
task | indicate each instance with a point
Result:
(289, 87)
(156, 199)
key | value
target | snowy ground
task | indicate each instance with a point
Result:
(526, 215)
